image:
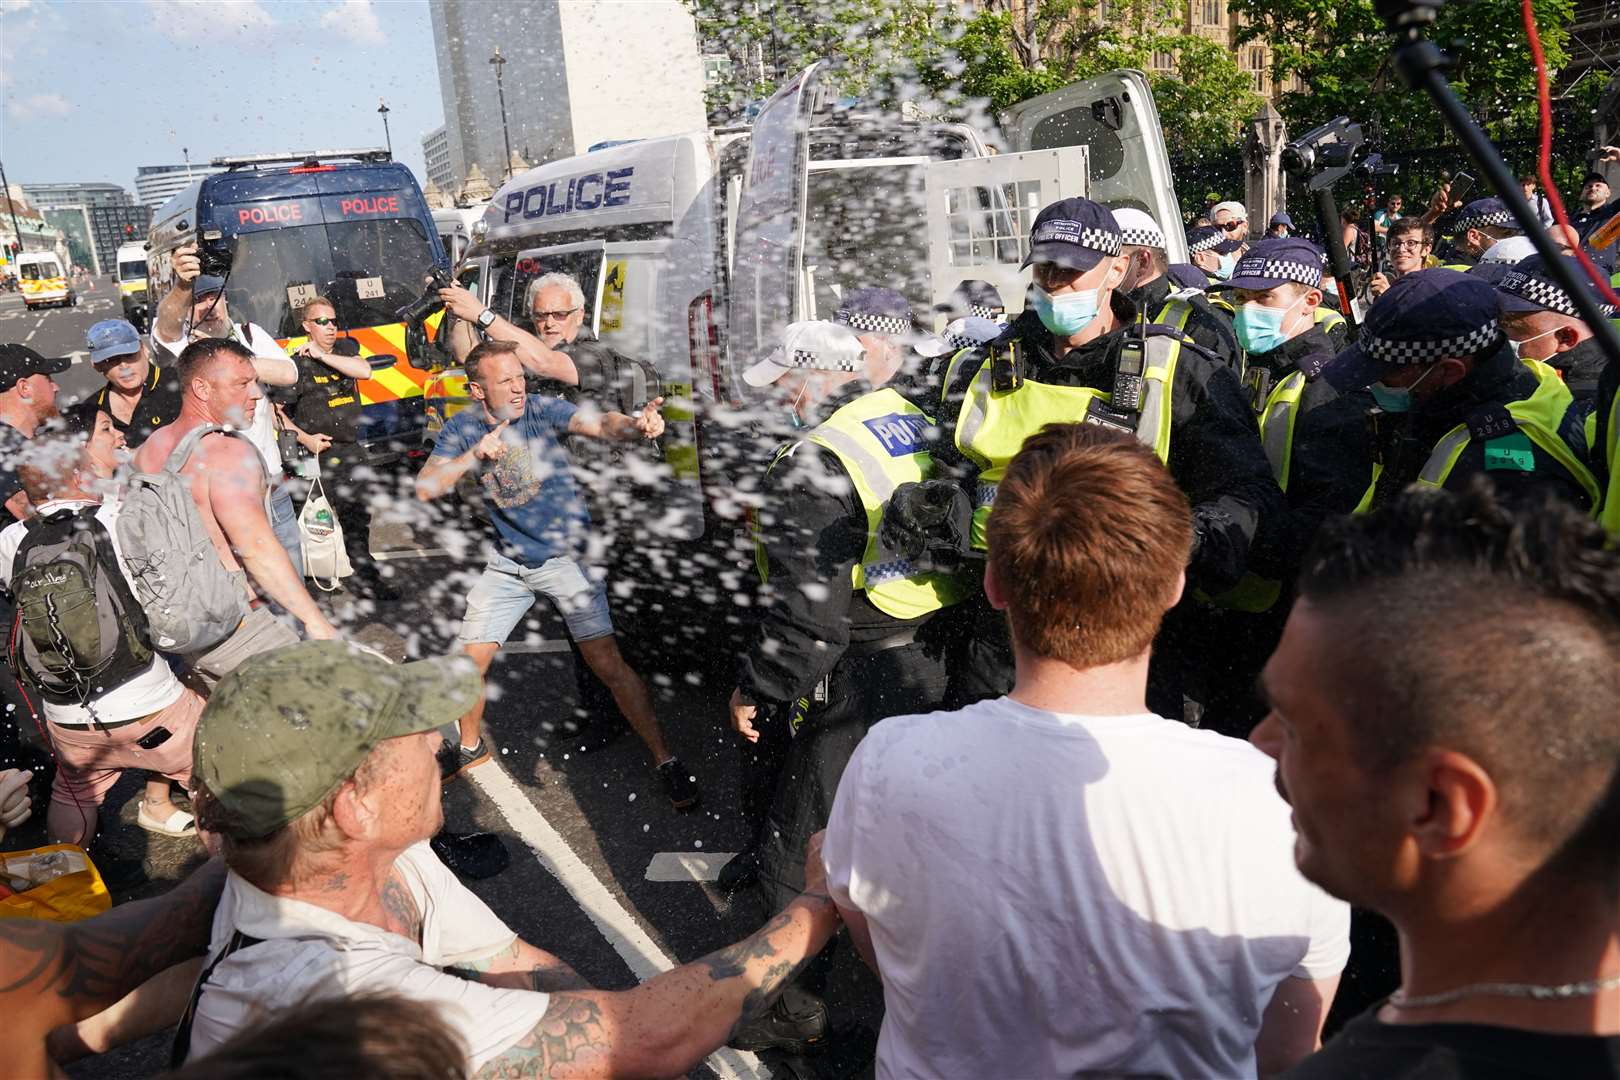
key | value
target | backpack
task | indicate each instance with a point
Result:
(192, 602)
(81, 631)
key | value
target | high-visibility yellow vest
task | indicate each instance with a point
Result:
(880, 439)
(1538, 417)
(992, 425)
(1609, 514)
(1328, 319)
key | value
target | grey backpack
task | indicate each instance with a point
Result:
(192, 602)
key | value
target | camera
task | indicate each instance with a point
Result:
(428, 302)
(214, 253)
(1326, 154)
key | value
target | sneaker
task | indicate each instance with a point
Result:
(796, 1023)
(740, 871)
(455, 759)
(679, 785)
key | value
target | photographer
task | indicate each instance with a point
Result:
(473, 322)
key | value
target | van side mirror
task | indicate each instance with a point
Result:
(382, 362)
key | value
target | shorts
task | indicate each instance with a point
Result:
(90, 760)
(506, 592)
(258, 633)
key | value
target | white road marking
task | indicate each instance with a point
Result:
(31, 334)
(639, 952)
(411, 553)
(688, 865)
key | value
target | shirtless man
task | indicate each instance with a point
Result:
(228, 482)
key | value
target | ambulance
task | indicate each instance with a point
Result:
(42, 280)
(130, 274)
(695, 251)
(350, 225)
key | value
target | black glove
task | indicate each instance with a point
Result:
(928, 522)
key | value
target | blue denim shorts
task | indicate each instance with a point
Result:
(506, 591)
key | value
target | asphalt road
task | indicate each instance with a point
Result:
(594, 844)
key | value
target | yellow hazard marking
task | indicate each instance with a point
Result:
(612, 296)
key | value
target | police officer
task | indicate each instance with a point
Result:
(1542, 323)
(1212, 252)
(1452, 399)
(140, 396)
(1080, 353)
(973, 298)
(842, 633)
(1147, 284)
(1476, 228)
(1605, 444)
(934, 351)
(1316, 440)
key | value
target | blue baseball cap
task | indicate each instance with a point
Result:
(112, 338)
(203, 284)
(1075, 233)
(1427, 315)
(1282, 219)
(873, 309)
(1277, 261)
(1483, 212)
(1530, 286)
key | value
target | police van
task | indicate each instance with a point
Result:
(350, 225)
(695, 251)
(42, 280)
(454, 225)
(130, 273)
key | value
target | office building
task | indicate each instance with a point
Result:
(436, 159)
(105, 215)
(157, 184)
(561, 98)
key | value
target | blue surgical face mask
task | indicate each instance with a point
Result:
(1066, 314)
(1260, 328)
(1228, 264)
(1395, 399)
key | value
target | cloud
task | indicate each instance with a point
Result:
(37, 106)
(195, 20)
(356, 20)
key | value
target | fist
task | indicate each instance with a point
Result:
(1377, 285)
(186, 264)
(649, 421)
(461, 303)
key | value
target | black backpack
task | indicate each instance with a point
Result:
(80, 631)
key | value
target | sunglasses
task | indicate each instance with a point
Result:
(554, 316)
(1233, 226)
(324, 322)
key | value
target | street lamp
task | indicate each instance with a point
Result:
(500, 89)
(12, 206)
(382, 110)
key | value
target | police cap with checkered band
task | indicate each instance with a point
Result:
(1484, 212)
(873, 309)
(1530, 286)
(1074, 233)
(1425, 317)
(1277, 261)
(812, 345)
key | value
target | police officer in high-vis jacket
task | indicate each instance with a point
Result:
(1453, 401)
(1605, 444)
(842, 633)
(1543, 323)
(1159, 300)
(1078, 353)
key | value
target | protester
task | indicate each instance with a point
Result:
(1597, 204)
(1147, 284)
(1539, 203)
(324, 819)
(1542, 323)
(1410, 242)
(1281, 226)
(229, 484)
(1232, 219)
(468, 322)
(1455, 401)
(195, 309)
(1148, 919)
(53, 975)
(138, 395)
(1471, 802)
(129, 710)
(326, 414)
(27, 400)
(541, 520)
(1387, 215)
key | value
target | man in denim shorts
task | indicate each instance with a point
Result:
(511, 440)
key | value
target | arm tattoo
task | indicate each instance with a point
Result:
(99, 960)
(551, 980)
(733, 961)
(546, 978)
(571, 1032)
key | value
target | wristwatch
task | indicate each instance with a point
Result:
(486, 319)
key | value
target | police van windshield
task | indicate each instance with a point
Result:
(129, 271)
(369, 268)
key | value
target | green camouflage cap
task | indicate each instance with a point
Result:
(282, 731)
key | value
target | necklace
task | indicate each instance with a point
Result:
(1401, 1000)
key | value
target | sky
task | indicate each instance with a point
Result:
(90, 89)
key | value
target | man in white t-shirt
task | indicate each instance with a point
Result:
(124, 727)
(195, 308)
(324, 816)
(1059, 882)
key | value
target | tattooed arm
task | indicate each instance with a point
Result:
(668, 1024)
(521, 966)
(53, 973)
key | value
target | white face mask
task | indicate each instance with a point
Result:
(1518, 346)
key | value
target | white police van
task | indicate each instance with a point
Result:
(695, 251)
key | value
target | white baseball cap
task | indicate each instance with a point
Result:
(1236, 209)
(1138, 229)
(967, 332)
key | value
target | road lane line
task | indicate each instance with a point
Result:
(31, 334)
(639, 952)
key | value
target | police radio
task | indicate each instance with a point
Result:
(1129, 386)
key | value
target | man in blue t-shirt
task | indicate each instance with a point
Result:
(512, 440)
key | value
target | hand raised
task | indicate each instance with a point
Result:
(489, 447)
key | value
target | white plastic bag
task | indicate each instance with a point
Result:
(321, 539)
